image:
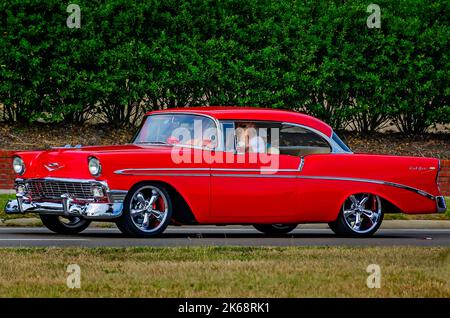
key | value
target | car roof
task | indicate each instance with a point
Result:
(253, 113)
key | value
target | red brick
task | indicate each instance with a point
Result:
(444, 180)
(6, 153)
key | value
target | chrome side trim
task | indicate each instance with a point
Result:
(388, 183)
(127, 171)
(255, 176)
(254, 170)
(148, 172)
(139, 170)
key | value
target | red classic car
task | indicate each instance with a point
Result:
(268, 168)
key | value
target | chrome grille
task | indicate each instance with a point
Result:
(53, 189)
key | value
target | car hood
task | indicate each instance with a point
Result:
(70, 162)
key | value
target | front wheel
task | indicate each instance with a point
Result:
(361, 216)
(147, 211)
(275, 228)
(64, 225)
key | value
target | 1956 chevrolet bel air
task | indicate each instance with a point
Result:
(268, 168)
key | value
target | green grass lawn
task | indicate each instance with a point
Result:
(3, 199)
(226, 272)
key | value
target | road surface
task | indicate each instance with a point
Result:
(220, 236)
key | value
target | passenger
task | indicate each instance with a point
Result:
(248, 139)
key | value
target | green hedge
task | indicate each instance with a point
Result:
(313, 56)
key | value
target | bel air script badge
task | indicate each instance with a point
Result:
(418, 168)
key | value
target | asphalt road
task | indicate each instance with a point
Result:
(221, 236)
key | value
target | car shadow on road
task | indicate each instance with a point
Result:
(200, 235)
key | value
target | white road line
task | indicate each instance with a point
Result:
(25, 239)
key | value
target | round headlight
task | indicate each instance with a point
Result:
(94, 166)
(18, 165)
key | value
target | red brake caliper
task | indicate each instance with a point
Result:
(374, 202)
(158, 203)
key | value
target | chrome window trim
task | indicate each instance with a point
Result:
(219, 146)
(335, 148)
(333, 133)
(223, 136)
(302, 163)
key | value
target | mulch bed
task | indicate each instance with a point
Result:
(428, 145)
(38, 136)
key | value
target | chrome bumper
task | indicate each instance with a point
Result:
(69, 206)
(440, 204)
(94, 211)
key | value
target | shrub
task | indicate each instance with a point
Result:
(312, 56)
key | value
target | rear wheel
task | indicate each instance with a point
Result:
(361, 216)
(64, 225)
(275, 228)
(147, 211)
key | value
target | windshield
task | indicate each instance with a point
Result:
(340, 143)
(178, 129)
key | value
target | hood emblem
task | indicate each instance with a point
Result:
(53, 166)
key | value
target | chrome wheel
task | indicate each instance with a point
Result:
(149, 209)
(362, 212)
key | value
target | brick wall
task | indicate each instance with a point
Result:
(444, 177)
(7, 176)
(6, 173)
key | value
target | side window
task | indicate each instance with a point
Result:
(256, 137)
(298, 141)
